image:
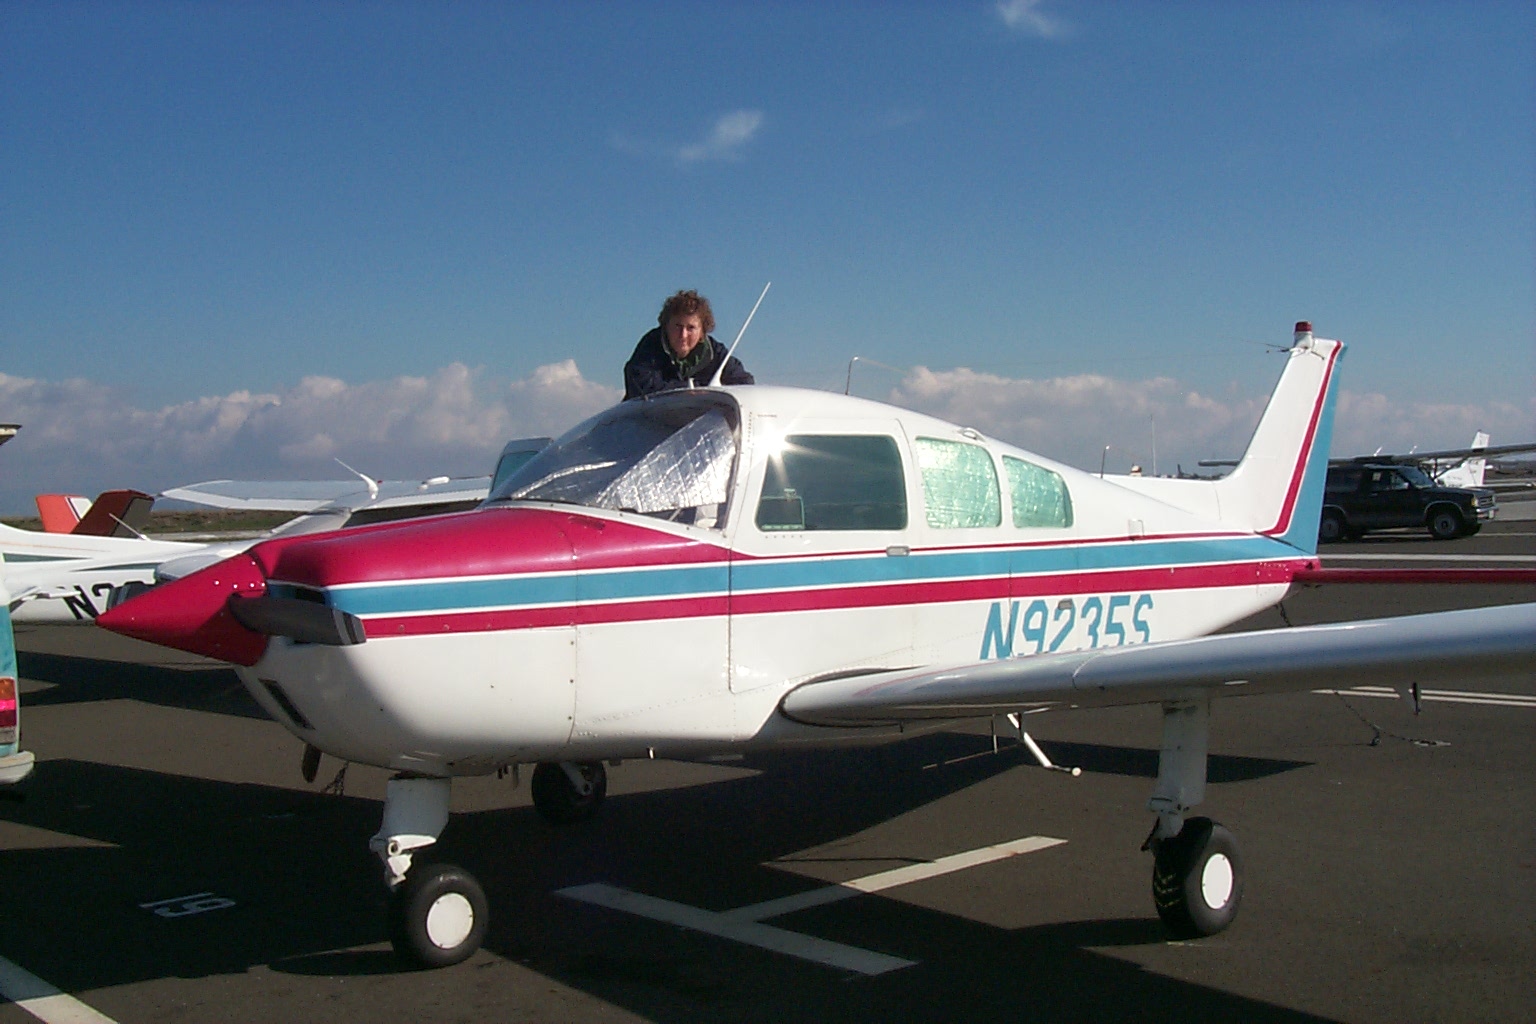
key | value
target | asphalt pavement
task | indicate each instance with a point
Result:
(168, 861)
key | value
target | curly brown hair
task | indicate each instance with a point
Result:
(687, 303)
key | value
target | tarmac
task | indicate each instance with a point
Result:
(168, 862)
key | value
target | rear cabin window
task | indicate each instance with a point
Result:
(834, 482)
(1039, 495)
(960, 489)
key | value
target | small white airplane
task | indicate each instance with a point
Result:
(725, 569)
(64, 578)
(1453, 467)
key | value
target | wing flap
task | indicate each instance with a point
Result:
(1437, 647)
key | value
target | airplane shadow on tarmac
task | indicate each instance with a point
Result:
(76, 680)
(296, 889)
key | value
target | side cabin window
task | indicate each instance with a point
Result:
(834, 482)
(960, 488)
(1039, 495)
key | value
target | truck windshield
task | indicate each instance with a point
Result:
(656, 457)
(1416, 476)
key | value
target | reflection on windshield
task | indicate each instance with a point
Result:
(649, 457)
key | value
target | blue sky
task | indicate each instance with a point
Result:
(249, 238)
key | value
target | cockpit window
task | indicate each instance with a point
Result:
(669, 458)
(834, 482)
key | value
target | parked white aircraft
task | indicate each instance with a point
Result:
(736, 568)
(68, 578)
(1453, 467)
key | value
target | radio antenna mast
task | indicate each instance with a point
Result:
(715, 380)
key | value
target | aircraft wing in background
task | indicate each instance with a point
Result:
(362, 494)
(314, 495)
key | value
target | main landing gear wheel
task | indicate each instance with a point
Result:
(1197, 879)
(437, 916)
(561, 799)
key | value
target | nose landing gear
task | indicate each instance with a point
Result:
(437, 916)
(437, 912)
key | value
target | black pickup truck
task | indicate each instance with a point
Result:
(1362, 496)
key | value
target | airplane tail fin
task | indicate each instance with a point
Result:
(61, 512)
(1277, 487)
(1469, 472)
(122, 513)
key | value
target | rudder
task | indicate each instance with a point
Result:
(1277, 488)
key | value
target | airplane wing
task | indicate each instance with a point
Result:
(313, 495)
(1440, 646)
(1411, 458)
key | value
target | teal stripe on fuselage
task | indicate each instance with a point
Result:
(514, 591)
(749, 576)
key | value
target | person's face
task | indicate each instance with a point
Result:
(684, 333)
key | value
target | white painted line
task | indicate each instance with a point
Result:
(1501, 700)
(42, 1000)
(777, 940)
(743, 925)
(888, 879)
(1329, 560)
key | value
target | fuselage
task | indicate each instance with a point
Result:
(657, 580)
(60, 579)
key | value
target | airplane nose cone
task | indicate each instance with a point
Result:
(192, 614)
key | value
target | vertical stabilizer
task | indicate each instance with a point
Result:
(61, 512)
(122, 513)
(1469, 471)
(1277, 488)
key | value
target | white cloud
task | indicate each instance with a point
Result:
(726, 140)
(1071, 419)
(82, 437)
(1027, 18)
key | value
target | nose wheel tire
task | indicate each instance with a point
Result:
(558, 799)
(1197, 879)
(437, 916)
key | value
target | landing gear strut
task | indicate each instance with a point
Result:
(437, 912)
(1197, 871)
(568, 792)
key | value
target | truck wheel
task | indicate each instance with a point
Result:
(1330, 529)
(1444, 524)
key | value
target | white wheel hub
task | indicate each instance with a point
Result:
(1216, 880)
(450, 920)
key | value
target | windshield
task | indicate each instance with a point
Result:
(1416, 476)
(673, 458)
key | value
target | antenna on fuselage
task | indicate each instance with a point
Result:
(714, 381)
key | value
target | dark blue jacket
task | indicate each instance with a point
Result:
(654, 368)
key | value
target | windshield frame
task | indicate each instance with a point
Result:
(652, 421)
